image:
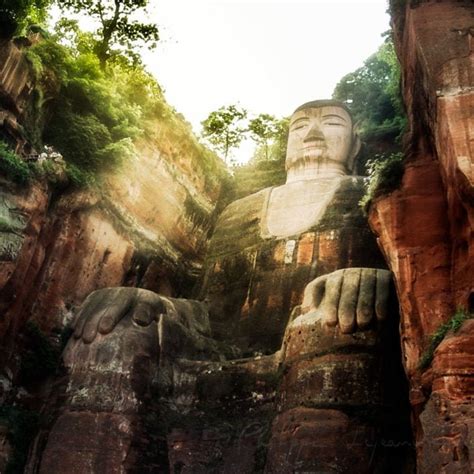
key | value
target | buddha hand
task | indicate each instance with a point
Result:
(104, 309)
(352, 298)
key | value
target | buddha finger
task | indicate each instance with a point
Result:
(313, 294)
(143, 314)
(111, 310)
(366, 299)
(91, 306)
(120, 303)
(90, 327)
(382, 294)
(348, 301)
(332, 294)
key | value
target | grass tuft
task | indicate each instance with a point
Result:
(435, 339)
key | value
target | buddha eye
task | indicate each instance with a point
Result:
(336, 124)
(299, 125)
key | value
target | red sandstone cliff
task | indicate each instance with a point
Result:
(56, 250)
(146, 226)
(425, 227)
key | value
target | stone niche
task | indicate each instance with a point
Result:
(289, 361)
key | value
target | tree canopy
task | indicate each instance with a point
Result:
(93, 116)
(15, 15)
(263, 128)
(119, 27)
(275, 148)
(372, 93)
(224, 128)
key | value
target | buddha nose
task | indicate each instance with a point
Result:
(314, 134)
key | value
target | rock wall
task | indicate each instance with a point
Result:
(425, 227)
(16, 86)
(145, 226)
(16, 81)
(140, 232)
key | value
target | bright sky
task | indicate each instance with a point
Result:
(266, 55)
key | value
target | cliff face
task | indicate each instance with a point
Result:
(156, 392)
(425, 227)
(16, 86)
(141, 231)
(146, 226)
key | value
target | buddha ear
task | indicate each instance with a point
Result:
(356, 145)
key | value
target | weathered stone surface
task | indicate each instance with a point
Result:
(88, 442)
(454, 358)
(447, 437)
(319, 440)
(333, 379)
(16, 81)
(251, 282)
(447, 420)
(170, 203)
(425, 227)
(5, 447)
(114, 379)
(212, 451)
(340, 385)
(418, 258)
(16, 86)
(23, 216)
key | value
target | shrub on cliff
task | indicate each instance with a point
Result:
(385, 175)
(92, 121)
(12, 166)
(96, 116)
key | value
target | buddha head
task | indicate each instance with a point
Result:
(321, 141)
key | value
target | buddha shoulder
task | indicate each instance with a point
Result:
(238, 226)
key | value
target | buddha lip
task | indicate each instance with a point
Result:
(315, 145)
(314, 140)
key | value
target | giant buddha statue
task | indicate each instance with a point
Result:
(268, 246)
(287, 361)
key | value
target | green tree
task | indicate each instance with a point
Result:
(372, 93)
(223, 128)
(275, 148)
(16, 15)
(280, 140)
(118, 28)
(92, 118)
(263, 128)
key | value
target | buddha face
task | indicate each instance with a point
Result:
(320, 141)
